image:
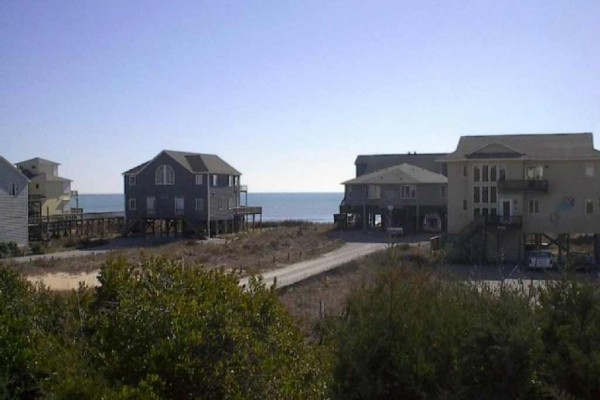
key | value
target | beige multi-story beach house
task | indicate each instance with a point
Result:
(13, 205)
(49, 194)
(393, 195)
(506, 191)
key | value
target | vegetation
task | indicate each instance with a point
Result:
(9, 249)
(414, 334)
(162, 329)
(154, 330)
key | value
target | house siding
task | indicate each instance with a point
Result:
(185, 186)
(14, 220)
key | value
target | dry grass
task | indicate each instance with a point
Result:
(332, 288)
(253, 251)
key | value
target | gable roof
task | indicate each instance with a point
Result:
(374, 162)
(553, 146)
(7, 164)
(398, 174)
(39, 160)
(193, 162)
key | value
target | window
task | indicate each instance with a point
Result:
(476, 173)
(164, 175)
(493, 211)
(199, 205)
(443, 191)
(179, 205)
(236, 181)
(484, 211)
(589, 170)
(534, 206)
(373, 192)
(215, 180)
(199, 179)
(37, 185)
(464, 205)
(230, 203)
(131, 180)
(493, 194)
(476, 194)
(132, 204)
(484, 194)
(534, 172)
(230, 181)
(501, 173)
(13, 190)
(150, 201)
(221, 204)
(476, 212)
(493, 173)
(589, 206)
(349, 191)
(408, 191)
(465, 171)
(484, 173)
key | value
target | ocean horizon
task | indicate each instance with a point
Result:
(277, 206)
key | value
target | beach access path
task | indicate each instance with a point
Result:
(355, 247)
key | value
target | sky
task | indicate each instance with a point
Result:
(287, 92)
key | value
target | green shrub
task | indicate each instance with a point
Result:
(9, 249)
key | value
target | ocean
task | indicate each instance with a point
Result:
(313, 207)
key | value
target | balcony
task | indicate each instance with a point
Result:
(247, 210)
(539, 185)
(503, 221)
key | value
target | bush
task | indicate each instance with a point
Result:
(9, 249)
(413, 334)
(154, 330)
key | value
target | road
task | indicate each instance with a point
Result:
(297, 272)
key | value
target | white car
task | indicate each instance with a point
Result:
(540, 259)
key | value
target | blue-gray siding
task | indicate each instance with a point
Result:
(13, 209)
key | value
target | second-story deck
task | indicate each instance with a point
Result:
(523, 185)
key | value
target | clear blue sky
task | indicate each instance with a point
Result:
(288, 92)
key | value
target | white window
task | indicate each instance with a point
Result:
(408, 191)
(373, 192)
(179, 205)
(589, 170)
(501, 172)
(236, 181)
(132, 204)
(199, 179)
(534, 172)
(215, 180)
(534, 206)
(443, 191)
(230, 181)
(13, 189)
(150, 201)
(132, 180)
(589, 206)
(164, 175)
(199, 205)
(493, 173)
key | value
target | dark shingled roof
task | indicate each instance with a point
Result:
(555, 146)
(193, 162)
(375, 162)
(399, 174)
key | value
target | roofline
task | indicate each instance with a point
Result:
(399, 154)
(522, 159)
(44, 160)
(5, 161)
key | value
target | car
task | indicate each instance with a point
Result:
(580, 260)
(540, 259)
(395, 231)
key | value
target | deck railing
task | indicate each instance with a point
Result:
(247, 210)
(540, 185)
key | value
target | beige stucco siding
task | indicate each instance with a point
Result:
(563, 208)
